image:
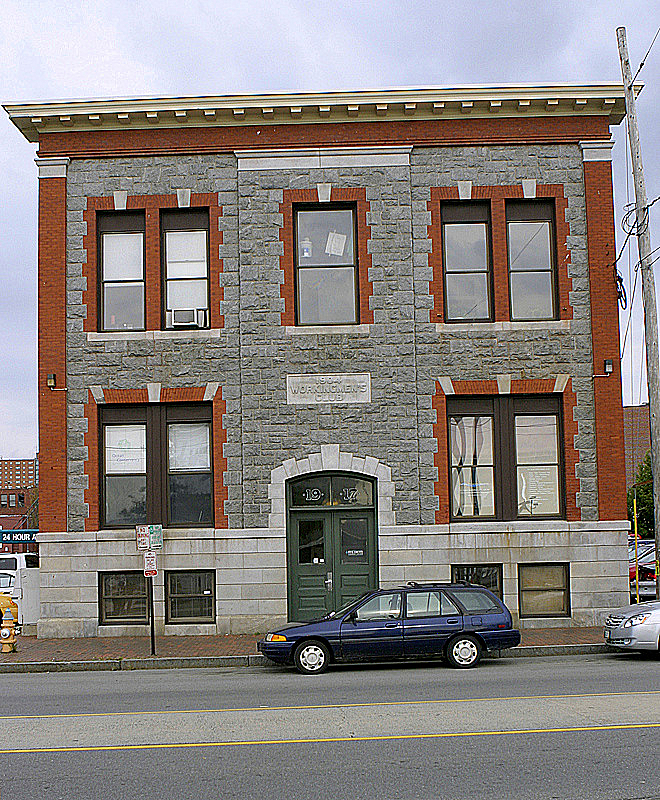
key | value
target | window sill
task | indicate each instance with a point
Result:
(136, 336)
(301, 330)
(488, 327)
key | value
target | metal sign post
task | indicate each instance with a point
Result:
(148, 538)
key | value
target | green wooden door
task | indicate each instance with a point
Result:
(331, 543)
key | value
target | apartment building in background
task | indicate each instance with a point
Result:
(327, 341)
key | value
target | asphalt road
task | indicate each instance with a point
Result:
(581, 727)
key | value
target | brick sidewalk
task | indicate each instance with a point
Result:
(31, 649)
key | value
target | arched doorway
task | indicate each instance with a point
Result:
(332, 553)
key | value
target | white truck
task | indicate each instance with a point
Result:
(19, 577)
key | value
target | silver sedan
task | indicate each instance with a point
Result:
(634, 627)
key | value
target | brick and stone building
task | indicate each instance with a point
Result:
(637, 438)
(327, 341)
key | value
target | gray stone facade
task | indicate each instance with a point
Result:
(402, 350)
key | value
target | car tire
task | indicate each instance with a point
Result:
(463, 651)
(311, 657)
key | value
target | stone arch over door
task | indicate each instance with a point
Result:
(330, 458)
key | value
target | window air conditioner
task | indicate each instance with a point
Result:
(195, 317)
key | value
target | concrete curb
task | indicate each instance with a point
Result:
(256, 660)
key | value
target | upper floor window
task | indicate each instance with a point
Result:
(467, 260)
(121, 249)
(184, 247)
(157, 465)
(505, 457)
(326, 266)
(532, 262)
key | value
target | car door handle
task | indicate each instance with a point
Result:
(391, 624)
(452, 622)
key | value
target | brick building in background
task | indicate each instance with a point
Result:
(19, 479)
(637, 438)
(328, 341)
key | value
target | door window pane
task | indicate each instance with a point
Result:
(325, 237)
(123, 256)
(472, 470)
(544, 590)
(537, 460)
(313, 491)
(349, 491)
(125, 449)
(190, 446)
(311, 547)
(384, 606)
(123, 306)
(427, 604)
(354, 532)
(191, 498)
(326, 295)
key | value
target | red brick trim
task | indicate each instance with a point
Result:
(52, 355)
(186, 394)
(427, 133)
(338, 195)
(610, 459)
(489, 387)
(152, 204)
(497, 195)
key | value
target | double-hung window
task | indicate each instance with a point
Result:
(467, 260)
(121, 252)
(531, 252)
(157, 465)
(326, 266)
(185, 247)
(505, 457)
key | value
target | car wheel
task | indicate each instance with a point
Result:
(463, 652)
(311, 657)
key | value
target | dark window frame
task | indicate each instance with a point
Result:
(171, 620)
(156, 417)
(503, 409)
(338, 206)
(188, 219)
(534, 210)
(103, 620)
(462, 211)
(567, 590)
(133, 221)
(498, 592)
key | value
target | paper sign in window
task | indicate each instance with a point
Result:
(336, 244)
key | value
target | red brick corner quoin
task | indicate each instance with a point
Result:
(191, 394)
(288, 288)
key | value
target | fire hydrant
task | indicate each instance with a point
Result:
(8, 632)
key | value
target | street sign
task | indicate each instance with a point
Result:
(149, 537)
(22, 536)
(150, 564)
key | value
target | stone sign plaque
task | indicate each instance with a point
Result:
(339, 388)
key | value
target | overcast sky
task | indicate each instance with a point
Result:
(60, 50)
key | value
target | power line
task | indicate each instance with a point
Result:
(639, 69)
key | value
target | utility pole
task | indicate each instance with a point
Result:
(648, 288)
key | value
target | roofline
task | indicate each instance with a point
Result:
(606, 99)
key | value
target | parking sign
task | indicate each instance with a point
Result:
(150, 564)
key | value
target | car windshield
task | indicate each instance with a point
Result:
(343, 609)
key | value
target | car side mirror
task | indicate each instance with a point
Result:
(352, 617)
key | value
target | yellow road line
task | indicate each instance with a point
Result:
(334, 705)
(586, 728)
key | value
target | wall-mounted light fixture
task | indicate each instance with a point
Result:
(51, 383)
(608, 366)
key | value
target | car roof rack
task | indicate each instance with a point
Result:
(428, 584)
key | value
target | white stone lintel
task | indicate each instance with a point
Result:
(529, 187)
(464, 190)
(504, 384)
(445, 384)
(597, 150)
(320, 158)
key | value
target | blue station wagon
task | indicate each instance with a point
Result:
(457, 622)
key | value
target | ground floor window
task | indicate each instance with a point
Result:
(488, 575)
(123, 598)
(190, 596)
(544, 590)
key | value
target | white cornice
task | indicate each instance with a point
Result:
(606, 99)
